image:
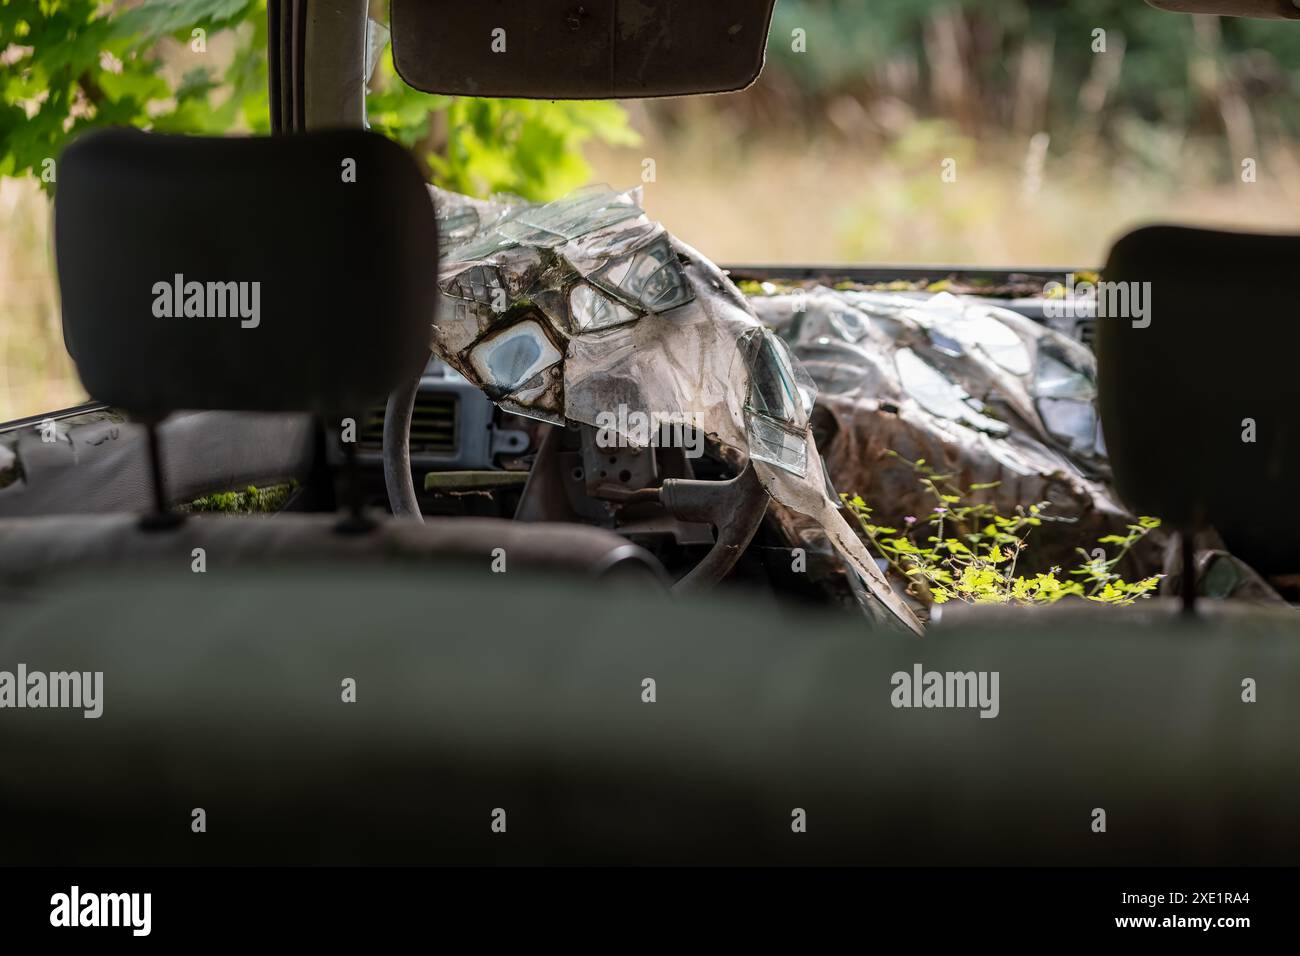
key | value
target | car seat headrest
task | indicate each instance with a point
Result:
(1198, 395)
(263, 274)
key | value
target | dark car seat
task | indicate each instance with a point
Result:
(1198, 399)
(223, 692)
(281, 275)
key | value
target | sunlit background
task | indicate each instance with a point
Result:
(1062, 138)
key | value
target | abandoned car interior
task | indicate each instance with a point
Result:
(404, 525)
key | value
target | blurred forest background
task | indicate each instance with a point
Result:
(1069, 122)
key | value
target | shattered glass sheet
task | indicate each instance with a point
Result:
(584, 306)
(988, 369)
(978, 391)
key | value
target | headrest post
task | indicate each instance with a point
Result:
(1187, 541)
(356, 521)
(160, 518)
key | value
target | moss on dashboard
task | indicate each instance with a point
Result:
(251, 500)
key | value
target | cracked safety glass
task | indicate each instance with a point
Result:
(591, 311)
(781, 397)
(649, 277)
(512, 357)
(939, 396)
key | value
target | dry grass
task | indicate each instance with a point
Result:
(828, 202)
(36, 374)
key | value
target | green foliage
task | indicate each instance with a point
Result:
(526, 147)
(751, 287)
(850, 43)
(529, 148)
(70, 65)
(251, 500)
(970, 551)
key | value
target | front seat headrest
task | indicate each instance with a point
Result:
(1198, 397)
(261, 274)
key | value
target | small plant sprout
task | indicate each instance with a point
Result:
(968, 551)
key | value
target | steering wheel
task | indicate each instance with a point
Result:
(397, 447)
(735, 508)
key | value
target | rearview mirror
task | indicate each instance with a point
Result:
(562, 49)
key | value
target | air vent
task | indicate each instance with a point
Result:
(433, 425)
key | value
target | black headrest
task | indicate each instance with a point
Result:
(287, 273)
(1217, 365)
